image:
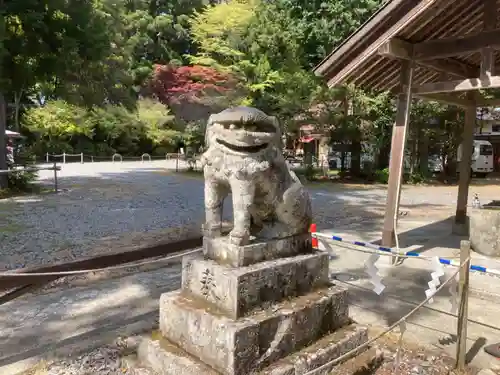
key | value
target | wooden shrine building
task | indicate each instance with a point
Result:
(442, 50)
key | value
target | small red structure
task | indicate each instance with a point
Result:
(314, 240)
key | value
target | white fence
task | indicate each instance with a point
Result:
(82, 158)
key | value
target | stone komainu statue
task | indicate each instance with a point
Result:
(244, 157)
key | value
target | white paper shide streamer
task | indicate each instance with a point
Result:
(438, 271)
(372, 271)
(324, 245)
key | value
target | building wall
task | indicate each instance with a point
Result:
(488, 128)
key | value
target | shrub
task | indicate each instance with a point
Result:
(382, 176)
(307, 173)
(416, 178)
(21, 181)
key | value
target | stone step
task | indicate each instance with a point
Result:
(363, 364)
(319, 354)
(251, 343)
(237, 291)
(165, 358)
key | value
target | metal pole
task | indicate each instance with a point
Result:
(47, 157)
(81, 157)
(464, 304)
(92, 158)
(56, 189)
(177, 163)
(64, 158)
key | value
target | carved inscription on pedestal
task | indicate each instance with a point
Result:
(208, 285)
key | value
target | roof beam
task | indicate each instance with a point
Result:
(487, 53)
(440, 48)
(447, 99)
(459, 85)
(400, 49)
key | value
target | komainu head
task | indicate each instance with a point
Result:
(243, 130)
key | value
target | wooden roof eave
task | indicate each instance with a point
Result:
(344, 50)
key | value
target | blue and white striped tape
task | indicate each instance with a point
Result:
(449, 262)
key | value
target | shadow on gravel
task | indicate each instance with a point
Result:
(406, 283)
(68, 322)
(435, 234)
(405, 288)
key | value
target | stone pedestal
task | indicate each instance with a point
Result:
(484, 230)
(265, 308)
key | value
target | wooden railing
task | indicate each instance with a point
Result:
(54, 168)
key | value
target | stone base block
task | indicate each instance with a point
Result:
(366, 362)
(222, 251)
(166, 358)
(236, 291)
(251, 343)
(484, 231)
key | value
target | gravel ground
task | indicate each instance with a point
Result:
(103, 203)
(105, 207)
(118, 358)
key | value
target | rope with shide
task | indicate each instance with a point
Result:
(356, 350)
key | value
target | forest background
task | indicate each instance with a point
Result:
(142, 76)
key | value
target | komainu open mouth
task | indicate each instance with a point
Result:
(248, 149)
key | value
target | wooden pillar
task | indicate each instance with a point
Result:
(487, 70)
(464, 168)
(397, 153)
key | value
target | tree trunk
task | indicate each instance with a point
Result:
(356, 158)
(3, 161)
(17, 104)
(383, 156)
(423, 154)
(412, 148)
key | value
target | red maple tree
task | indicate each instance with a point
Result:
(171, 83)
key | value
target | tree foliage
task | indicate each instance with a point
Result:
(172, 83)
(62, 127)
(105, 76)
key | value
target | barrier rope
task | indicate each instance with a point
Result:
(77, 272)
(354, 351)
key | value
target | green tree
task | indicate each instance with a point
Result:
(159, 124)
(54, 41)
(158, 32)
(108, 79)
(56, 124)
(45, 41)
